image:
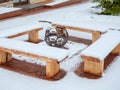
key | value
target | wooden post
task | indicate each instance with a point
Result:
(9, 57)
(3, 57)
(52, 68)
(95, 36)
(34, 36)
(116, 50)
(92, 66)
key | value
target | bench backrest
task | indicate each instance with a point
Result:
(103, 46)
(32, 50)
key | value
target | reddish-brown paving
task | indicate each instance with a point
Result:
(30, 69)
(80, 40)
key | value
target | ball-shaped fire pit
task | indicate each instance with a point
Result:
(56, 37)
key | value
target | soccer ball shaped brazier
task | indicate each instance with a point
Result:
(56, 37)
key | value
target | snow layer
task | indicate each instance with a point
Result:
(56, 2)
(79, 25)
(46, 51)
(20, 29)
(72, 47)
(103, 46)
(8, 9)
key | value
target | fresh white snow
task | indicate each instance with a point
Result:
(79, 25)
(8, 9)
(19, 29)
(40, 50)
(56, 2)
(82, 15)
(103, 46)
(72, 47)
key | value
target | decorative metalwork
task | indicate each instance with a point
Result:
(56, 37)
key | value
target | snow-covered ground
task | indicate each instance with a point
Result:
(82, 15)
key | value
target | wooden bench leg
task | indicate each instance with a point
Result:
(93, 66)
(34, 36)
(4, 57)
(9, 57)
(95, 36)
(52, 68)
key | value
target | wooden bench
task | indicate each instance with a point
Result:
(96, 53)
(10, 12)
(95, 33)
(31, 29)
(53, 56)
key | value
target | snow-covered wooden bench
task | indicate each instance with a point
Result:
(31, 29)
(6, 12)
(76, 26)
(56, 3)
(96, 53)
(53, 56)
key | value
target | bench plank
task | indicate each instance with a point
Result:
(103, 46)
(96, 53)
(51, 55)
(31, 29)
(33, 50)
(6, 12)
(9, 32)
(95, 34)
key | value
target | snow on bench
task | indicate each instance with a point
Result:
(96, 53)
(51, 55)
(56, 2)
(78, 25)
(96, 32)
(6, 12)
(6, 9)
(31, 29)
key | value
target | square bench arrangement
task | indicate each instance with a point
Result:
(93, 56)
(9, 46)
